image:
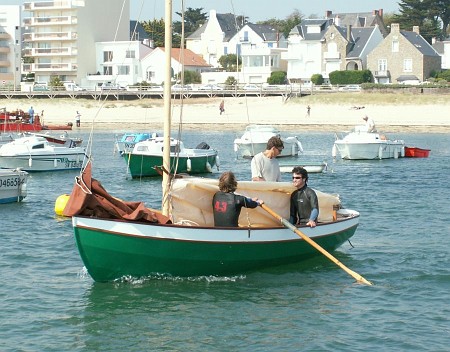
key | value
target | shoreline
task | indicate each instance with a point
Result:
(334, 113)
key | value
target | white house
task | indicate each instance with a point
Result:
(153, 65)
(118, 62)
(260, 48)
(212, 40)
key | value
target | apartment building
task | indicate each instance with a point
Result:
(10, 46)
(60, 35)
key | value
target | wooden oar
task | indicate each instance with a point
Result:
(287, 224)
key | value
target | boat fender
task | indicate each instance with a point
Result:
(188, 165)
(396, 153)
(334, 151)
(380, 152)
(30, 162)
(55, 163)
(208, 167)
(61, 203)
(217, 162)
(402, 152)
(236, 147)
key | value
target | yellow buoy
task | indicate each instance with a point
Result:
(61, 203)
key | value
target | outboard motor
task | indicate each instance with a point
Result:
(202, 145)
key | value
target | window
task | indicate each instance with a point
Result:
(395, 46)
(382, 65)
(107, 56)
(150, 75)
(407, 65)
(107, 70)
(123, 70)
(130, 54)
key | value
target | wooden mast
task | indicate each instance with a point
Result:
(167, 105)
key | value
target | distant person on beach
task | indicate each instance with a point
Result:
(31, 114)
(370, 124)
(308, 111)
(78, 119)
(264, 165)
(227, 205)
(222, 107)
(304, 203)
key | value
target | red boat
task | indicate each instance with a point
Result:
(414, 152)
(19, 121)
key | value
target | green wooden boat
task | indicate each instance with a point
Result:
(148, 154)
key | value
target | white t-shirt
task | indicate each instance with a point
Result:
(269, 169)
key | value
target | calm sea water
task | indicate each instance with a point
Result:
(49, 303)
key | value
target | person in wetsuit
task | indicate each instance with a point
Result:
(304, 203)
(227, 205)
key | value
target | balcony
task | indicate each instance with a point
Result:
(4, 35)
(5, 49)
(50, 36)
(49, 52)
(384, 73)
(331, 55)
(47, 5)
(4, 63)
(49, 21)
(50, 67)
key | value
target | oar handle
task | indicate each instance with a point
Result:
(288, 225)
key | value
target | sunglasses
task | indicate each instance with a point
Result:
(280, 149)
(297, 177)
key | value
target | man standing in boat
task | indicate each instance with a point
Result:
(304, 203)
(370, 124)
(264, 165)
(31, 114)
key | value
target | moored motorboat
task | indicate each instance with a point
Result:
(34, 153)
(311, 167)
(13, 185)
(126, 142)
(362, 145)
(147, 155)
(254, 140)
(415, 152)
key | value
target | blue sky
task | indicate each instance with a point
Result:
(256, 10)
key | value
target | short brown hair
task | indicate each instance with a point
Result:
(227, 182)
(276, 142)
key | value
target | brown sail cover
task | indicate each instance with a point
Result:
(89, 198)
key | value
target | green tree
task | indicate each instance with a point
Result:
(55, 82)
(317, 79)
(228, 62)
(286, 25)
(429, 15)
(156, 30)
(190, 77)
(193, 19)
(230, 82)
(277, 77)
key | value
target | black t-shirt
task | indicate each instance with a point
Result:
(227, 207)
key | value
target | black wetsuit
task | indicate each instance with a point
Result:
(303, 201)
(227, 207)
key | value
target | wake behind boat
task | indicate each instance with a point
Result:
(35, 153)
(362, 145)
(254, 140)
(147, 156)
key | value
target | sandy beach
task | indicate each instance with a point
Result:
(391, 113)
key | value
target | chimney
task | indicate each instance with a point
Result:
(433, 40)
(374, 12)
(328, 14)
(336, 20)
(395, 28)
(349, 33)
(380, 13)
(416, 29)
